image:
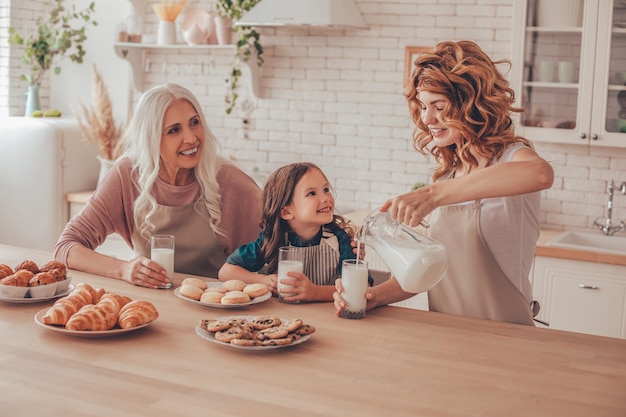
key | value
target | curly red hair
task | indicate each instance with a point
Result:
(480, 104)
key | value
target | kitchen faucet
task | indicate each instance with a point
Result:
(608, 228)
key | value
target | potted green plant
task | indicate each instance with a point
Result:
(59, 34)
(247, 43)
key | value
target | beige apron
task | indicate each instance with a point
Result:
(198, 251)
(320, 261)
(474, 284)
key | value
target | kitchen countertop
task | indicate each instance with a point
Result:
(578, 255)
(396, 362)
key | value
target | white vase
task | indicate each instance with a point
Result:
(166, 34)
(32, 100)
(223, 30)
(105, 167)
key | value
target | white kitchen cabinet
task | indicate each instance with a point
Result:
(584, 297)
(41, 159)
(588, 36)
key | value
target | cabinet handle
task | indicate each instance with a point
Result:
(594, 137)
(588, 287)
(583, 135)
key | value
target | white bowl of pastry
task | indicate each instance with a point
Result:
(42, 285)
(63, 286)
(12, 291)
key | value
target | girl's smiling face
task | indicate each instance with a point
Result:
(313, 203)
(432, 105)
(181, 142)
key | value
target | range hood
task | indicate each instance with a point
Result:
(334, 13)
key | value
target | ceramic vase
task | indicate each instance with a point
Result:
(32, 100)
(166, 33)
(223, 30)
(105, 167)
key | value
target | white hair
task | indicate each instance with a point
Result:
(143, 146)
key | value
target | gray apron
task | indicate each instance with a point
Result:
(474, 284)
(320, 261)
(197, 251)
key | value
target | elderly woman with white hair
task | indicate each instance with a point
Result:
(169, 180)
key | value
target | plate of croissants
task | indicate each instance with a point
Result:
(90, 312)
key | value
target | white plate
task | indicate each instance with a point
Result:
(197, 17)
(84, 333)
(210, 336)
(255, 300)
(28, 300)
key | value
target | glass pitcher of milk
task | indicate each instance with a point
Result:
(417, 262)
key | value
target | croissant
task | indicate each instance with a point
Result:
(100, 316)
(65, 307)
(136, 313)
(121, 299)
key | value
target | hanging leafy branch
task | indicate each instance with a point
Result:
(248, 43)
(55, 38)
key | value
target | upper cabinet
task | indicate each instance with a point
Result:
(569, 70)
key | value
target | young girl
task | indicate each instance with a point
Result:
(298, 210)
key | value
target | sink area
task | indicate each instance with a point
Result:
(590, 241)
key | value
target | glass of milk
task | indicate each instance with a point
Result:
(162, 252)
(290, 259)
(354, 281)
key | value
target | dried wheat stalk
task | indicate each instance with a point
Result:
(98, 125)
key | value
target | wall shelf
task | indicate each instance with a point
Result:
(135, 54)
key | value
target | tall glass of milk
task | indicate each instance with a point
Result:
(290, 259)
(417, 262)
(162, 252)
(354, 283)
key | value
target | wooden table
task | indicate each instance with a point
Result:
(396, 362)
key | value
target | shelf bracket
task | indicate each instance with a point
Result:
(135, 58)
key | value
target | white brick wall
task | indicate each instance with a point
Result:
(333, 96)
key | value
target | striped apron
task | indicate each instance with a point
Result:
(321, 261)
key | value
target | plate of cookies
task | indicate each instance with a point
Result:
(266, 332)
(233, 293)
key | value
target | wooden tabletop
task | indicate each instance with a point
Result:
(395, 362)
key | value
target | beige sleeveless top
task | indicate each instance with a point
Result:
(197, 250)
